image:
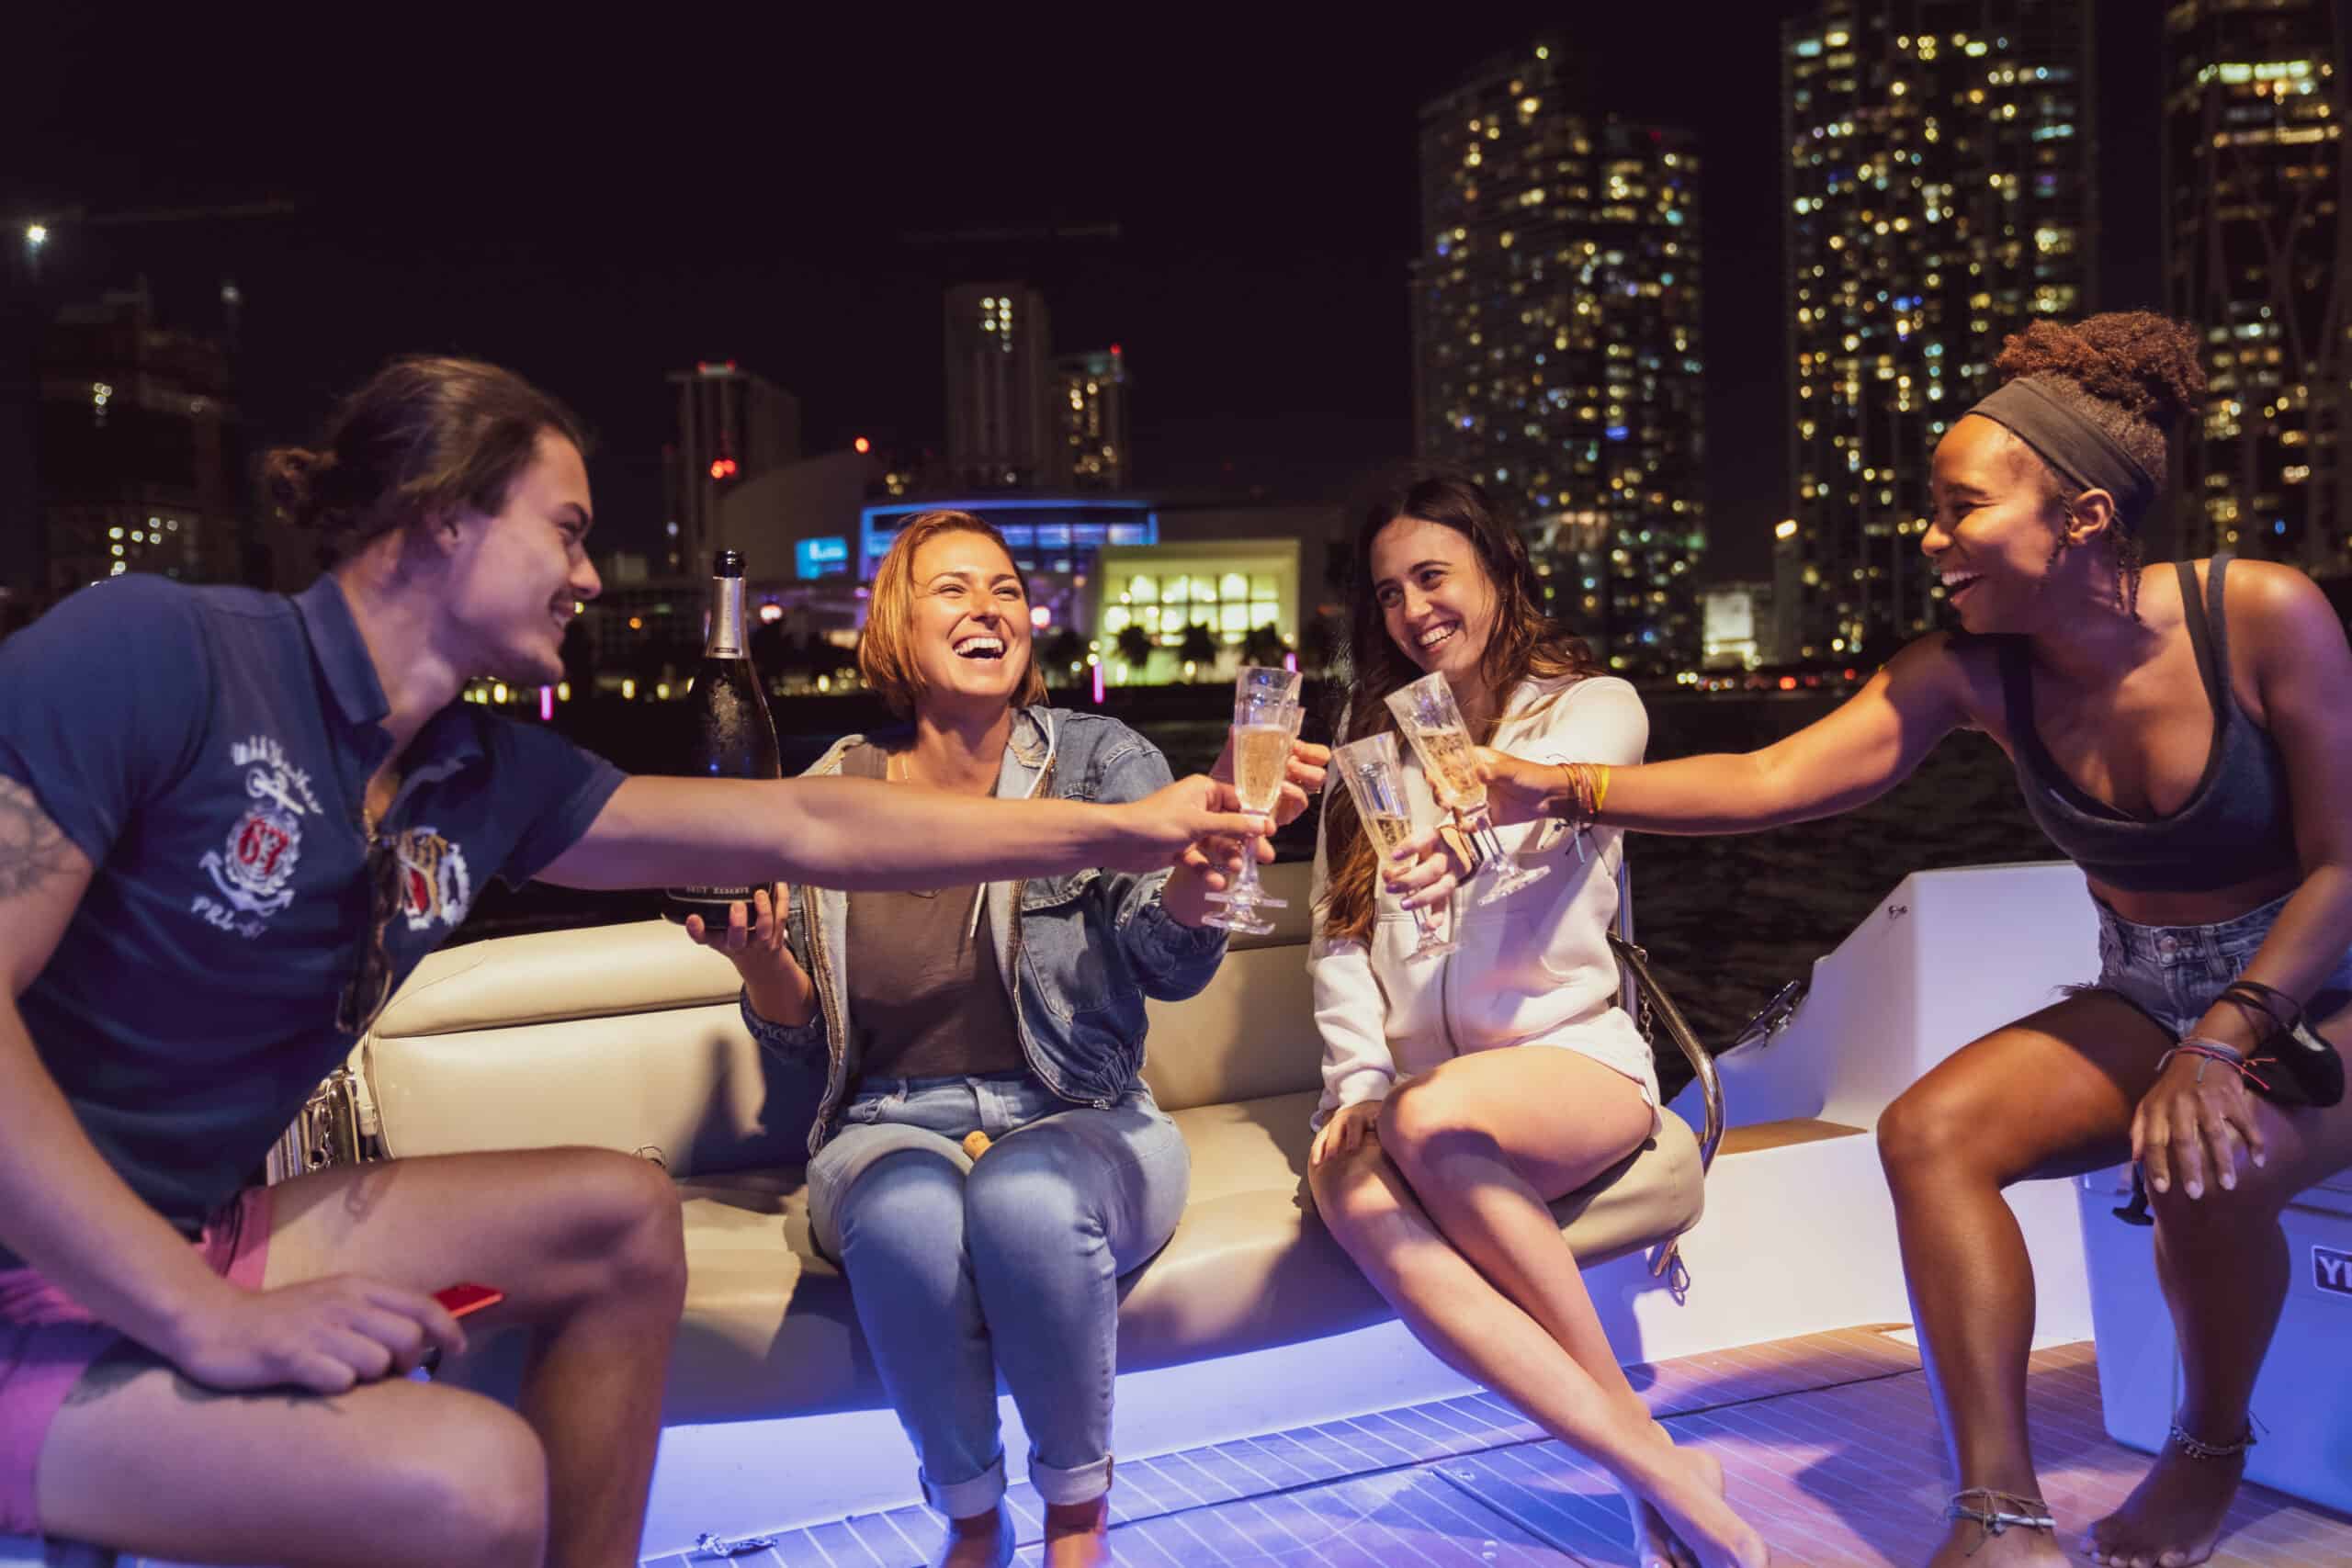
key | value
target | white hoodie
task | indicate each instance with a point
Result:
(1532, 969)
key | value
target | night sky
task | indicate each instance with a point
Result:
(595, 208)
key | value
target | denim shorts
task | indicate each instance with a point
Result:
(2174, 972)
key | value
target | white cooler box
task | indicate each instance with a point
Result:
(2304, 1397)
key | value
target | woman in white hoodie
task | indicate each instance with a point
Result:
(1463, 1093)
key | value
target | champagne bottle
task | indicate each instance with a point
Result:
(732, 735)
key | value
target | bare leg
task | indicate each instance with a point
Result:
(1485, 1285)
(397, 1474)
(2225, 1265)
(2055, 1090)
(587, 1246)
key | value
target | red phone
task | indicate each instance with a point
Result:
(463, 1301)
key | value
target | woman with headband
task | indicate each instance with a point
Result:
(2184, 739)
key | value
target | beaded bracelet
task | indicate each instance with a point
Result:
(2206, 1049)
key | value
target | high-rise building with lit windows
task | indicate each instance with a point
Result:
(1001, 379)
(1941, 191)
(733, 426)
(2256, 193)
(141, 450)
(1556, 347)
(1089, 421)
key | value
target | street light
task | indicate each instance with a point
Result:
(36, 236)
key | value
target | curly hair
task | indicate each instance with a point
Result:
(1523, 642)
(2136, 376)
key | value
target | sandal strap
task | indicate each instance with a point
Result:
(1999, 1511)
(2197, 1449)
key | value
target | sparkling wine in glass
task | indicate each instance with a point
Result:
(1432, 721)
(1375, 780)
(1264, 723)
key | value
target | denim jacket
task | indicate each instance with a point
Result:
(1080, 956)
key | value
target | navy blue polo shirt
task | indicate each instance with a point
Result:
(209, 750)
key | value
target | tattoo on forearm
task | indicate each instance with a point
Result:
(31, 849)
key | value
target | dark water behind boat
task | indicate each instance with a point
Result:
(1727, 920)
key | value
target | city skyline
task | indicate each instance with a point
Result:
(1940, 197)
(2255, 182)
(1271, 229)
(1557, 347)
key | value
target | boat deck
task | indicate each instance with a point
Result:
(1829, 1443)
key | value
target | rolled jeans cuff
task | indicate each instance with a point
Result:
(1082, 1484)
(962, 1499)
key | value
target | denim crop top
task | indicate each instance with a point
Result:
(2238, 824)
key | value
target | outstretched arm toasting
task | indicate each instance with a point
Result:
(1848, 759)
(856, 835)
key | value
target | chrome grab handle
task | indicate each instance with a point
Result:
(1657, 1007)
(327, 1131)
(1773, 1017)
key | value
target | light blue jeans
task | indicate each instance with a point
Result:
(960, 1268)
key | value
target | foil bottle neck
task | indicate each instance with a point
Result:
(726, 638)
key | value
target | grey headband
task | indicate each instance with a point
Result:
(2075, 448)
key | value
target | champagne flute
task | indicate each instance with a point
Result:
(1376, 781)
(1265, 722)
(1432, 721)
(1280, 684)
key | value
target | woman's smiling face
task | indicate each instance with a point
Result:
(1435, 599)
(969, 619)
(1991, 538)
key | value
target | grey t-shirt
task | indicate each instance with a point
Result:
(926, 996)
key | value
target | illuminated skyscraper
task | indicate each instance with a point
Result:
(1940, 181)
(141, 459)
(1089, 421)
(1557, 349)
(733, 426)
(2255, 183)
(1000, 383)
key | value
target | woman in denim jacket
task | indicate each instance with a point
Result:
(986, 1160)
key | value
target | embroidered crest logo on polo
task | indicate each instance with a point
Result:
(252, 870)
(436, 885)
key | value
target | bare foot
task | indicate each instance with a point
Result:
(1077, 1535)
(1655, 1545)
(983, 1541)
(1695, 1521)
(2173, 1516)
(1968, 1544)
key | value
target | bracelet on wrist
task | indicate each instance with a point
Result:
(2208, 1050)
(2209, 1041)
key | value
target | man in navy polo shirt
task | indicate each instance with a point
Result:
(230, 822)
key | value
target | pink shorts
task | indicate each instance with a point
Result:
(48, 1340)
